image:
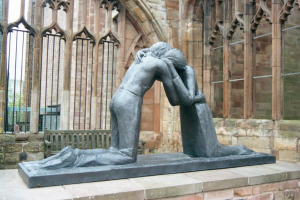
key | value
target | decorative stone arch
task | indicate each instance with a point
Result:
(141, 16)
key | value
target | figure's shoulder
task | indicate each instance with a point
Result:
(154, 61)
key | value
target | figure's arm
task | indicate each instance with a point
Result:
(185, 92)
(165, 77)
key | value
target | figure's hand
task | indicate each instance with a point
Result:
(171, 68)
(140, 54)
(199, 98)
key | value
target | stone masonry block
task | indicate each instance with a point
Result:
(269, 187)
(289, 125)
(172, 4)
(261, 132)
(288, 185)
(219, 195)
(32, 147)
(286, 155)
(285, 143)
(13, 147)
(172, 14)
(267, 196)
(12, 158)
(22, 136)
(1, 158)
(244, 191)
(280, 133)
(255, 142)
(6, 138)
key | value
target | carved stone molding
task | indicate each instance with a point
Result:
(110, 4)
(262, 12)
(237, 21)
(88, 34)
(56, 28)
(286, 10)
(22, 20)
(113, 37)
(217, 30)
(57, 4)
(218, 27)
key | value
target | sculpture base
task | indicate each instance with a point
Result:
(146, 165)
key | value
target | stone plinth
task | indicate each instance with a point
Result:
(146, 165)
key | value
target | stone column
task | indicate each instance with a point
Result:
(95, 69)
(226, 61)
(36, 70)
(65, 102)
(276, 60)
(207, 53)
(248, 59)
(3, 80)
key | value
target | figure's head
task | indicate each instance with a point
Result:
(177, 58)
(160, 48)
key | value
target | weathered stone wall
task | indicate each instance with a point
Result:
(15, 148)
(280, 138)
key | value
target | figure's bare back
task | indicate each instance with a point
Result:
(140, 77)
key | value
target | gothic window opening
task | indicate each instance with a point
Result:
(81, 82)
(51, 81)
(18, 69)
(262, 72)
(107, 81)
(217, 60)
(217, 77)
(236, 68)
(52, 63)
(291, 68)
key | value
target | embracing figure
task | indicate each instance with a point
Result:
(160, 62)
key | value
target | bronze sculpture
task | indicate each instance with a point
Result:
(160, 62)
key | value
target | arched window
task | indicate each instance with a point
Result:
(262, 72)
(291, 67)
(18, 68)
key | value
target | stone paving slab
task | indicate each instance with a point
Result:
(261, 174)
(168, 185)
(219, 179)
(152, 187)
(146, 165)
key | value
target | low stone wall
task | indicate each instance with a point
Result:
(280, 138)
(18, 147)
